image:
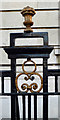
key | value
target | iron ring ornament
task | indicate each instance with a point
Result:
(33, 86)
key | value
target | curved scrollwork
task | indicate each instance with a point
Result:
(24, 65)
(29, 87)
(33, 86)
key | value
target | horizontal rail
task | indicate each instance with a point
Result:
(22, 28)
(33, 46)
(19, 10)
(5, 73)
(8, 65)
(50, 72)
(55, 72)
(24, 93)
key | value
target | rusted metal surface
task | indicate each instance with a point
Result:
(28, 13)
(32, 86)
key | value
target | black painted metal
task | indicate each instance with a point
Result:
(24, 110)
(14, 99)
(13, 90)
(38, 27)
(5, 73)
(19, 94)
(17, 109)
(53, 72)
(56, 84)
(18, 10)
(35, 107)
(8, 65)
(29, 107)
(45, 89)
(2, 81)
(29, 52)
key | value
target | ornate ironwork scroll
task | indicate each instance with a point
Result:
(33, 86)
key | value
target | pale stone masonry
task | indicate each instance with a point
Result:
(42, 18)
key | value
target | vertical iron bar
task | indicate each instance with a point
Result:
(14, 99)
(17, 108)
(2, 81)
(56, 84)
(24, 107)
(13, 90)
(45, 89)
(46, 39)
(29, 107)
(35, 107)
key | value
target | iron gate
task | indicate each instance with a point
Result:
(29, 52)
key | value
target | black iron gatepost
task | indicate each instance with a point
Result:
(29, 52)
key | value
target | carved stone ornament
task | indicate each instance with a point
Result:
(28, 12)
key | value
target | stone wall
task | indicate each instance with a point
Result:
(42, 18)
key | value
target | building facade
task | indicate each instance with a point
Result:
(44, 21)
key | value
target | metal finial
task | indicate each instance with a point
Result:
(28, 13)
